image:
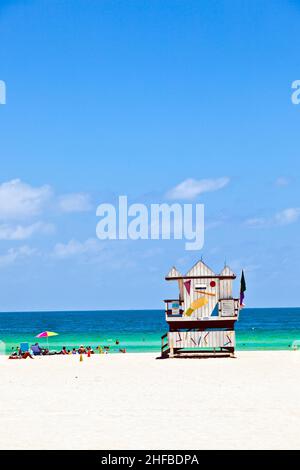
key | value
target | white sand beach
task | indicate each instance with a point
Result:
(132, 401)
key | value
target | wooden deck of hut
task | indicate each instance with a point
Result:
(201, 320)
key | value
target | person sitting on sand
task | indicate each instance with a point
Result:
(17, 355)
(81, 350)
(36, 349)
(74, 351)
(90, 350)
(64, 351)
(26, 354)
(14, 351)
(14, 355)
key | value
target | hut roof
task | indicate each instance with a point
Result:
(173, 273)
(227, 271)
(200, 269)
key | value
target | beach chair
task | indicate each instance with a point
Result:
(36, 350)
(24, 347)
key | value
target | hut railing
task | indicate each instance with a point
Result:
(170, 310)
(164, 343)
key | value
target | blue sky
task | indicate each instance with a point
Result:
(106, 98)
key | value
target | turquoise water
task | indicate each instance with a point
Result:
(141, 330)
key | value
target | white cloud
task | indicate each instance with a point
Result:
(75, 202)
(93, 252)
(14, 254)
(75, 248)
(20, 200)
(285, 217)
(256, 221)
(21, 232)
(282, 181)
(191, 188)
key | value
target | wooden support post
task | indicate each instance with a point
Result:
(171, 354)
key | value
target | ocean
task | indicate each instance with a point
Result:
(141, 330)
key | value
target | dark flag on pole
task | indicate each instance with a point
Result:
(243, 289)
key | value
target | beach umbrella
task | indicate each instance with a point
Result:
(46, 334)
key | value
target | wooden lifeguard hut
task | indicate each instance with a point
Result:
(201, 320)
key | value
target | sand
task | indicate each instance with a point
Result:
(132, 401)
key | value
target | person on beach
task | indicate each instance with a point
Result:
(14, 354)
(20, 355)
(74, 351)
(64, 351)
(36, 350)
(26, 354)
(81, 350)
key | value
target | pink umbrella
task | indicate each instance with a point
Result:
(46, 334)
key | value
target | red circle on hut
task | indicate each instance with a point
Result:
(212, 284)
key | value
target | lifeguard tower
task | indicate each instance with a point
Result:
(201, 320)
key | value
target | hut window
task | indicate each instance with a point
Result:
(227, 308)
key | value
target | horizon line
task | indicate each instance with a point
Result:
(126, 310)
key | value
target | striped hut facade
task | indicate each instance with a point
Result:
(201, 319)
